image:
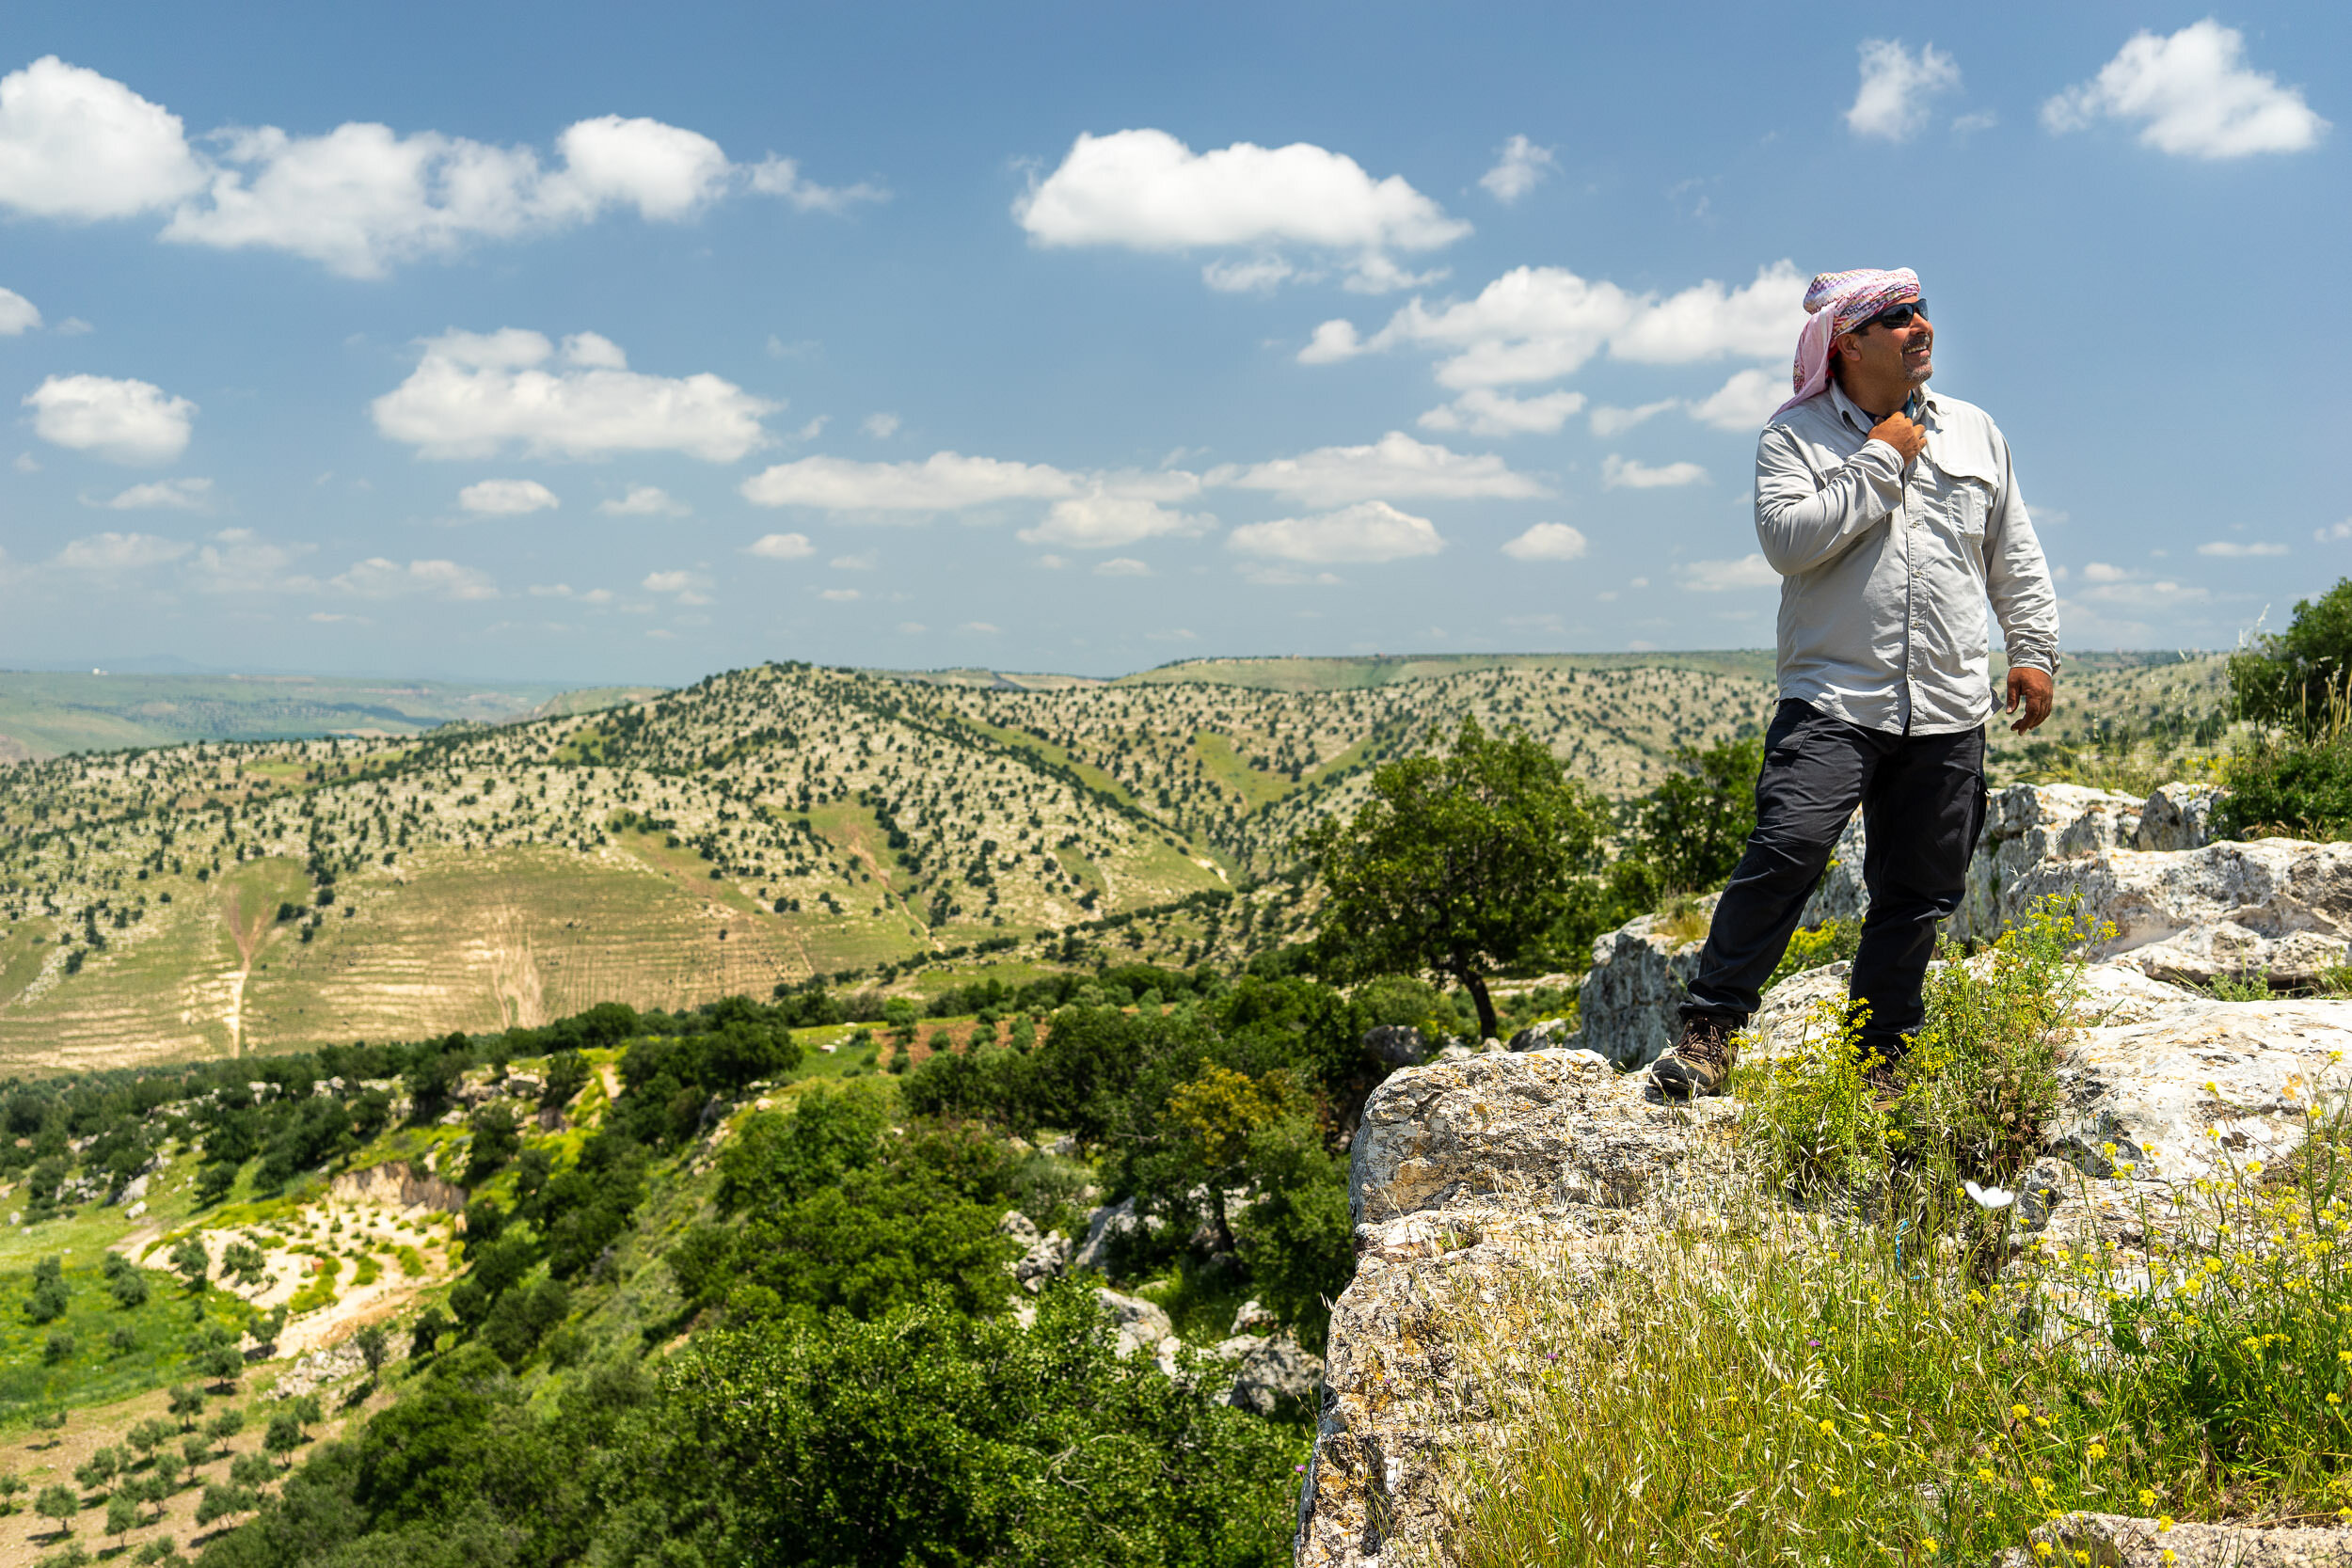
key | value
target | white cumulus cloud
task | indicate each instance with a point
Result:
(1396, 464)
(1616, 422)
(782, 177)
(1122, 567)
(1539, 324)
(1546, 542)
(473, 394)
(1145, 190)
(1521, 166)
(17, 314)
(781, 547)
(2235, 548)
(1367, 532)
(124, 422)
(78, 146)
(644, 500)
(357, 198)
(1722, 577)
(507, 498)
(1745, 401)
(2193, 95)
(164, 495)
(1622, 473)
(1897, 89)
(880, 426)
(687, 587)
(120, 552)
(1101, 521)
(238, 560)
(943, 482)
(1484, 411)
(379, 579)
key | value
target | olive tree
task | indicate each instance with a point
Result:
(1464, 864)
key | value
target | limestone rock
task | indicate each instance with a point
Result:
(1140, 1324)
(1104, 1223)
(1275, 1374)
(2188, 917)
(1047, 1256)
(1549, 1034)
(1251, 1317)
(1629, 1000)
(1459, 1167)
(2142, 1084)
(397, 1184)
(2117, 1542)
(1395, 1045)
(2179, 816)
(1018, 1226)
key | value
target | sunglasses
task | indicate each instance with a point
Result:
(1896, 315)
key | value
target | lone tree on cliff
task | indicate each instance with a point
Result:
(1464, 864)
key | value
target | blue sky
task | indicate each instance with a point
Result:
(608, 343)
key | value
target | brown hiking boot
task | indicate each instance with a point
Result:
(1700, 1063)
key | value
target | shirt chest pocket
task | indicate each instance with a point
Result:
(1970, 507)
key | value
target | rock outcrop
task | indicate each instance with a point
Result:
(397, 1184)
(2114, 1541)
(1466, 1171)
(1457, 1167)
(2185, 911)
(1627, 1006)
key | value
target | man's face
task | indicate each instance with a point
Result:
(1887, 352)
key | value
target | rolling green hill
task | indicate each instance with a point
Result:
(764, 827)
(45, 714)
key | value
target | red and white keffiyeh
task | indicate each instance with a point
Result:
(1838, 302)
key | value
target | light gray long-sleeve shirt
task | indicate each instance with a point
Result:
(1886, 569)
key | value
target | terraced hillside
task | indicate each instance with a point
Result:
(765, 826)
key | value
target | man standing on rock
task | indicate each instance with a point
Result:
(1892, 515)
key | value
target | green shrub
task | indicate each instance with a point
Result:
(2287, 789)
(1983, 1068)
(1810, 947)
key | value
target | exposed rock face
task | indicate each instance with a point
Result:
(1628, 1001)
(1550, 1034)
(2184, 910)
(2178, 815)
(1464, 1171)
(1275, 1374)
(1104, 1225)
(1455, 1161)
(1142, 1325)
(2114, 1541)
(1396, 1044)
(396, 1184)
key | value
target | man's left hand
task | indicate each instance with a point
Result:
(2035, 689)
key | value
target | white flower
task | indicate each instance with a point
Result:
(1989, 1198)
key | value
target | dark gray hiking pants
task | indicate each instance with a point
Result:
(1922, 800)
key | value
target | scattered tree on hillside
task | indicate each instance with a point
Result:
(191, 1262)
(60, 1502)
(1464, 864)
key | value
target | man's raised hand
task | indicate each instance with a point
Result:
(1904, 433)
(2035, 689)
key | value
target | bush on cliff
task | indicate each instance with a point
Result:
(926, 1438)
